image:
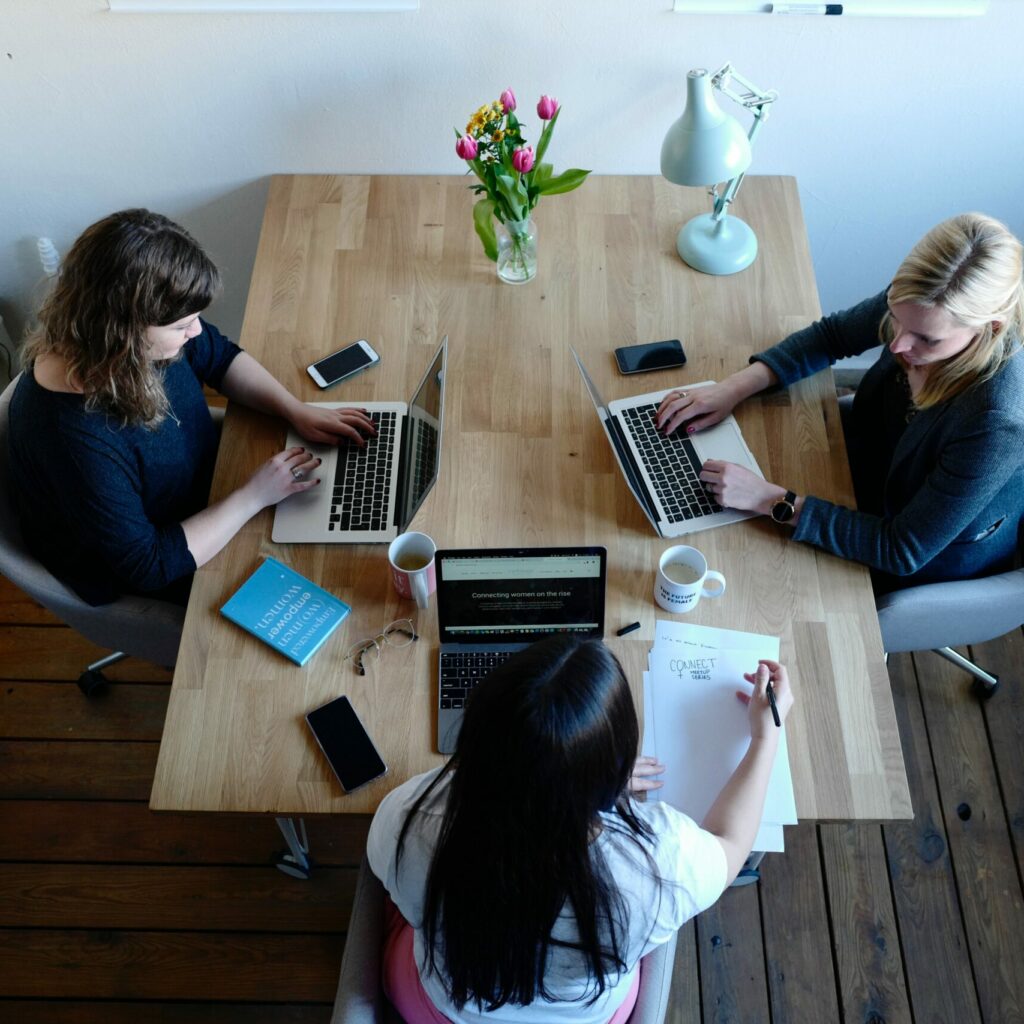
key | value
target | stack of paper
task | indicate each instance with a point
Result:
(695, 725)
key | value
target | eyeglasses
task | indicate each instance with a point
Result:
(400, 633)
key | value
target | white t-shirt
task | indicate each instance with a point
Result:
(690, 862)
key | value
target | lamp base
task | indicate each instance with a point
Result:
(711, 246)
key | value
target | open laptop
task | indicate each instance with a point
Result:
(663, 472)
(370, 493)
(492, 603)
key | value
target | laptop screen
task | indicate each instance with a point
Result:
(421, 446)
(520, 595)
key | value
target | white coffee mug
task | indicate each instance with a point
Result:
(411, 558)
(683, 579)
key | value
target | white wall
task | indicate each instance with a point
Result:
(889, 125)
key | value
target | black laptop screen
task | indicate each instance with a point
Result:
(520, 595)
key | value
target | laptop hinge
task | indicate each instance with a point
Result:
(402, 491)
(633, 475)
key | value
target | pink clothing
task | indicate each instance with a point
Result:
(403, 987)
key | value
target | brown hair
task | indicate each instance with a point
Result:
(970, 266)
(129, 271)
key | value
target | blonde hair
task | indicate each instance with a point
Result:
(125, 273)
(971, 267)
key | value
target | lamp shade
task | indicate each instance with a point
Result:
(705, 145)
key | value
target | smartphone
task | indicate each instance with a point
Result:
(346, 744)
(344, 363)
(658, 355)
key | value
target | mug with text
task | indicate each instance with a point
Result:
(411, 556)
(684, 578)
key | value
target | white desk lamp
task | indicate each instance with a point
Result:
(704, 147)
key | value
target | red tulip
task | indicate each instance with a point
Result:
(508, 100)
(466, 147)
(522, 159)
(547, 108)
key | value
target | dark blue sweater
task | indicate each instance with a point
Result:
(942, 496)
(101, 504)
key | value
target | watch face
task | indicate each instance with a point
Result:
(782, 511)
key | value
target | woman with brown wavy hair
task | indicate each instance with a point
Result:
(112, 443)
(936, 433)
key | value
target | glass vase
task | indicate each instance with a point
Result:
(517, 251)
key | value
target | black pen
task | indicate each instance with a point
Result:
(775, 709)
(628, 629)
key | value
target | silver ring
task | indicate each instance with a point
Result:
(298, 474)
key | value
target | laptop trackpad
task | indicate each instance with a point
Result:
(723, 441)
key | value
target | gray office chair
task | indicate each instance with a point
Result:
(360, 999)
(137, 626)
(940, 616)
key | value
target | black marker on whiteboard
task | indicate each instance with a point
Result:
(807, 8)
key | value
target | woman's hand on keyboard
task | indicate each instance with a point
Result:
(330, 426)
(287, 472)
(697, 409)
(734, 486)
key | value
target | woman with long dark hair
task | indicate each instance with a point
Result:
(527, 882)
(112, 443)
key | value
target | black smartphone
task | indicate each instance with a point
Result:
(344, 363)
(658, 355)
(346, 744)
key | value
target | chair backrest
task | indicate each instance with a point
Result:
(360, 1000)
(142, 627)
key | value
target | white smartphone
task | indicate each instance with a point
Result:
(344, 363)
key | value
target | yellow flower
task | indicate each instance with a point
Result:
(497, 135)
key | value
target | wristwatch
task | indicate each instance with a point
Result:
(784, 509)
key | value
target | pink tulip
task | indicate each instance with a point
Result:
(522, 159)
(547, 108)
(508, 100)
(466, 147)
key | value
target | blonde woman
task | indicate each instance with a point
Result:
(936, 436)
(111, 441)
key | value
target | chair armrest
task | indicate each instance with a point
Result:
(951, 614)
(360, 999)
(655, 982)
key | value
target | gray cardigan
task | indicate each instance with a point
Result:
(944, 497)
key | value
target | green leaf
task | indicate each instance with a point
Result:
(564, 182)
(483, 221)
(545, 136)
(513, 193)
(541, 173)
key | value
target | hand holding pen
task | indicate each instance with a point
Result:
(772, 698)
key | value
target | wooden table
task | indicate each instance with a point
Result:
(395, 260)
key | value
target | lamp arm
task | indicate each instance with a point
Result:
(722, 202)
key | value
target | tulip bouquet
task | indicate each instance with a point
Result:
(512, 175)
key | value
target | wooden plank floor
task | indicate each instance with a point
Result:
(110, 913)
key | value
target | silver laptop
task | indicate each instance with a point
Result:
(663, 472)
(370, 493)
(492, 603)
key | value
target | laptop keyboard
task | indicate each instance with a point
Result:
(673, 466)
(362, 479)
(462, 672)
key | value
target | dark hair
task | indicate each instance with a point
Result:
(548, 742)
(129, 271)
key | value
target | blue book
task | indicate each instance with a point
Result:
(285, 610)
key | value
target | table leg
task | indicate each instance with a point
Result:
(296, 862)
(750, 872)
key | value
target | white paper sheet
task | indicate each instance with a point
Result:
(701, 729)
(696, 726)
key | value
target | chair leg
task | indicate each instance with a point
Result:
(92, 680)
(984, 684)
